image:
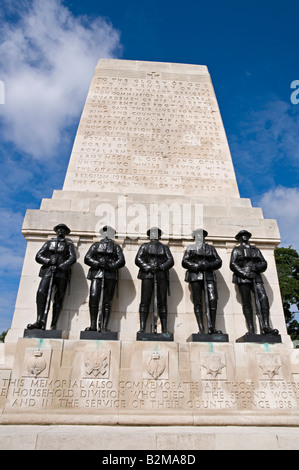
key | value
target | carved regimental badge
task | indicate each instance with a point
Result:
(270, 365)
(36, 363)
(97, 364)
(213, 366)
(155, 365)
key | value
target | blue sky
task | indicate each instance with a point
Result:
(48, 52)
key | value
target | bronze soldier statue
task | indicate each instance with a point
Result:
(201, 260)
(105, 258)
(247, 264)
(154, 260)
(56, 256)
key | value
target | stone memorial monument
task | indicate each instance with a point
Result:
(150, 151)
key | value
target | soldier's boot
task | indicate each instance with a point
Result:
(212, 328)
(143, 314)
(93, 312)
(248, 314)
(267, 330)
(199, 318)
(107, 310)
(39, 324)
(55, 316)
(163, 319)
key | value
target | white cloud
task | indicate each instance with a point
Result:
(47, 58)
(266, 147)
(283, 204)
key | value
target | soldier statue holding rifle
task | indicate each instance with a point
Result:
(201, 260)
(105, 258)
(56, 256)
(154, 260)
(247, 264)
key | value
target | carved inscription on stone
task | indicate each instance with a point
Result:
(151, 133)
(150, 381)
(95, 395)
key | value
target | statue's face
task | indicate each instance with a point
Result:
(61, 232)
(199, 238)
(245, 237)
(110, 233)
(154, 234)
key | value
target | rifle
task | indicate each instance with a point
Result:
(155, 302)
(47, 307)
(50, 288)
(101, 304)
(256, 298)
(205, 284)
(208, 313)
(258, 306)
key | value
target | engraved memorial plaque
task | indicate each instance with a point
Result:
(149, 127)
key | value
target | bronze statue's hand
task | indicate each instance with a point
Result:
(195, 269)
(52, 260)
(110, 266)
(60, 267)
(53, 269)
(251, 275)
(101, 263)
(202, 266)
(154, 269)
(205, 265)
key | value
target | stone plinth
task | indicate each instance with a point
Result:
(151, 383)
(209, 338)
(99, 336)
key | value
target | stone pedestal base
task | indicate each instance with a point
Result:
(97, 335)
(250, 338)
(210, 338)
(38, 333)
(150, 383)
(154, 336)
